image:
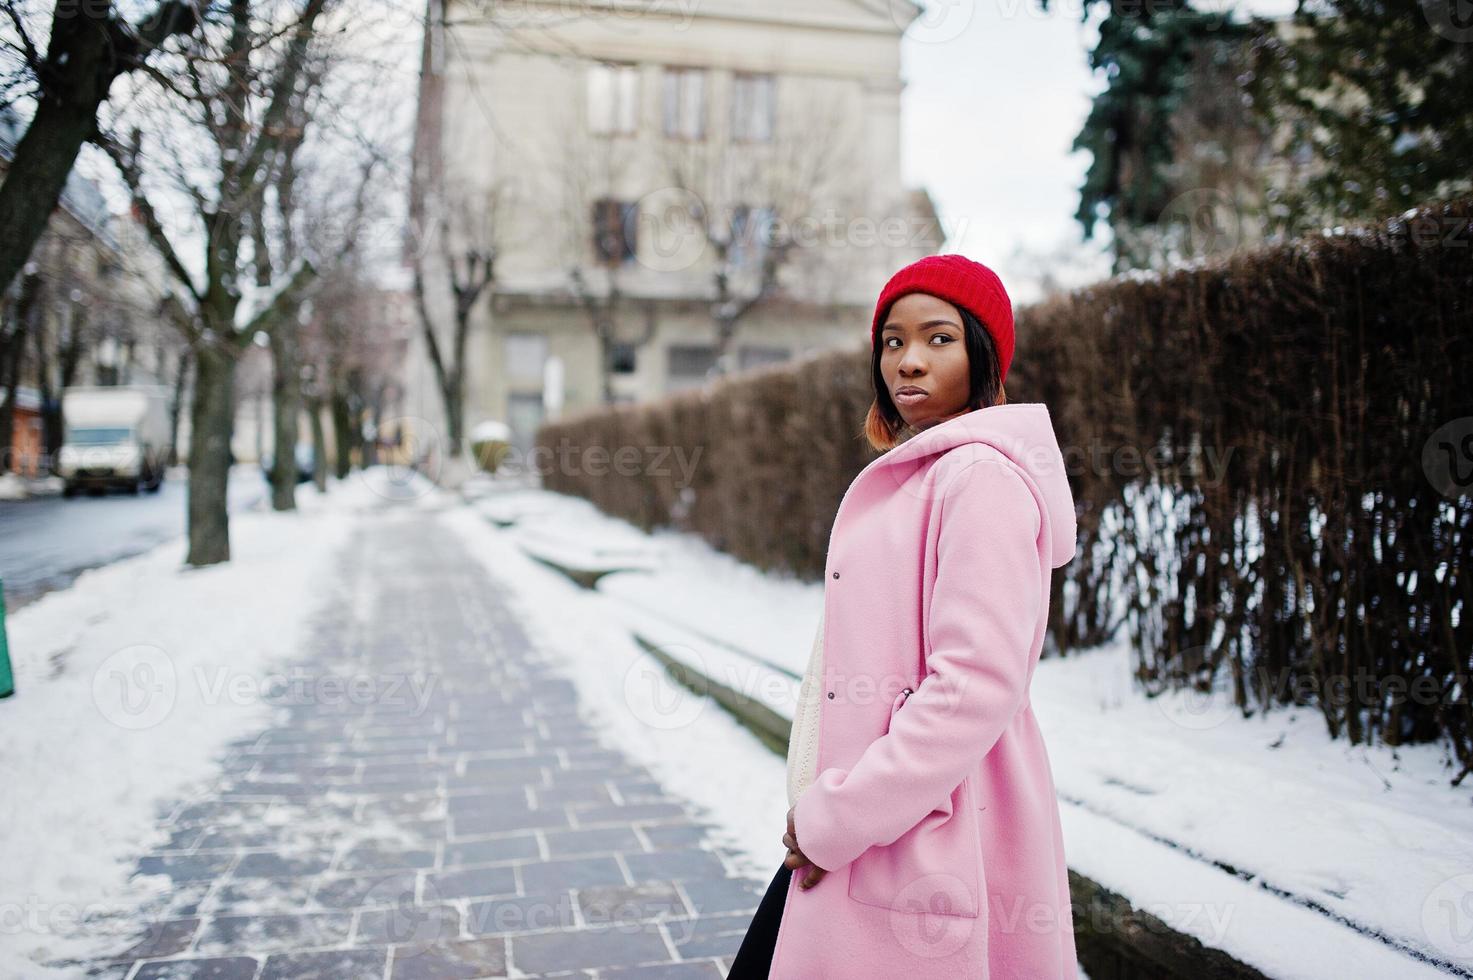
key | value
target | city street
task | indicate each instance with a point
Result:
(50, 540)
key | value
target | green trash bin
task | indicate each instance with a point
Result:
(7, 679)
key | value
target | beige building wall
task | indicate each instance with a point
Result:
(523, 166)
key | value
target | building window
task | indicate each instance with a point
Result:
(751, 357)
(753, 107)
(685, 103)
(751, 234)
(690, 363)
(615, 228)
(524, 416)
(621, 358)
(526, 353)
(613, 98)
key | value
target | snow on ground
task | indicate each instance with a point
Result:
(1350, 861)
(128, 685)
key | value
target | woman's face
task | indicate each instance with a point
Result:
(922, 346)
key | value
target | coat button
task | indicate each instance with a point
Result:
(831, 695)
(836, 575)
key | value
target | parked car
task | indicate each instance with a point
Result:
(306, 459)
(114, 436)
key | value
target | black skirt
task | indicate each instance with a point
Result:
(754, 957)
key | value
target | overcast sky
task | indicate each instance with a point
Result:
(996, 92)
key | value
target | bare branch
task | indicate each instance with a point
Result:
(32, 56)
(126, 160)
(287, 299)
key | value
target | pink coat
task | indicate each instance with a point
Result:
(934, 811)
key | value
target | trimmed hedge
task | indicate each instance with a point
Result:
(1271, 455)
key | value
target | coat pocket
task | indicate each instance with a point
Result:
(895, 705)
(935, 867)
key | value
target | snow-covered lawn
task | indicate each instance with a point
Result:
(128, 685)
(1303, 856)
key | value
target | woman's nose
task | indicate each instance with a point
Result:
(912, 360)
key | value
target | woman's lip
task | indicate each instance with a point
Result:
(911, 397)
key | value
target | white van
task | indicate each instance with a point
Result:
(114, 435)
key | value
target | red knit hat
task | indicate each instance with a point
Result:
(962, 282)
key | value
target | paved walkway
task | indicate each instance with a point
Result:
(470, 826)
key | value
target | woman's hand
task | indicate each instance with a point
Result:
(796, 859)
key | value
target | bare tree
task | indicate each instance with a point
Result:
(240, 85)
(89, 47)
(460, 260)
(748, 200)
(598, 240)
(457, 259)
(452, 236)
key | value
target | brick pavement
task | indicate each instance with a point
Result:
(473, 825)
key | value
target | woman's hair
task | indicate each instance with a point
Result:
(883, 426)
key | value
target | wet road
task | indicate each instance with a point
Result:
(46, 542)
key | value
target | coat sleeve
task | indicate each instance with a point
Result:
(988, 593)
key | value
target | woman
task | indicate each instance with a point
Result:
(923, 837)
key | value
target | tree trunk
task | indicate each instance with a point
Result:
(212, 421)
(319, 445)
(453, 392)
(87, 49)
(177, 404)
(36, 176)
(371, 447)
(341, 437)
(51, 430)
(286, 402)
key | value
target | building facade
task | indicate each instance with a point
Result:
(662, 191)
(86, 310)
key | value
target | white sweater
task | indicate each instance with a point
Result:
(803, 742)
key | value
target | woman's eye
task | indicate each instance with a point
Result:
(942, 336)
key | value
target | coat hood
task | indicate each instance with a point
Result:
(1021, 431)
